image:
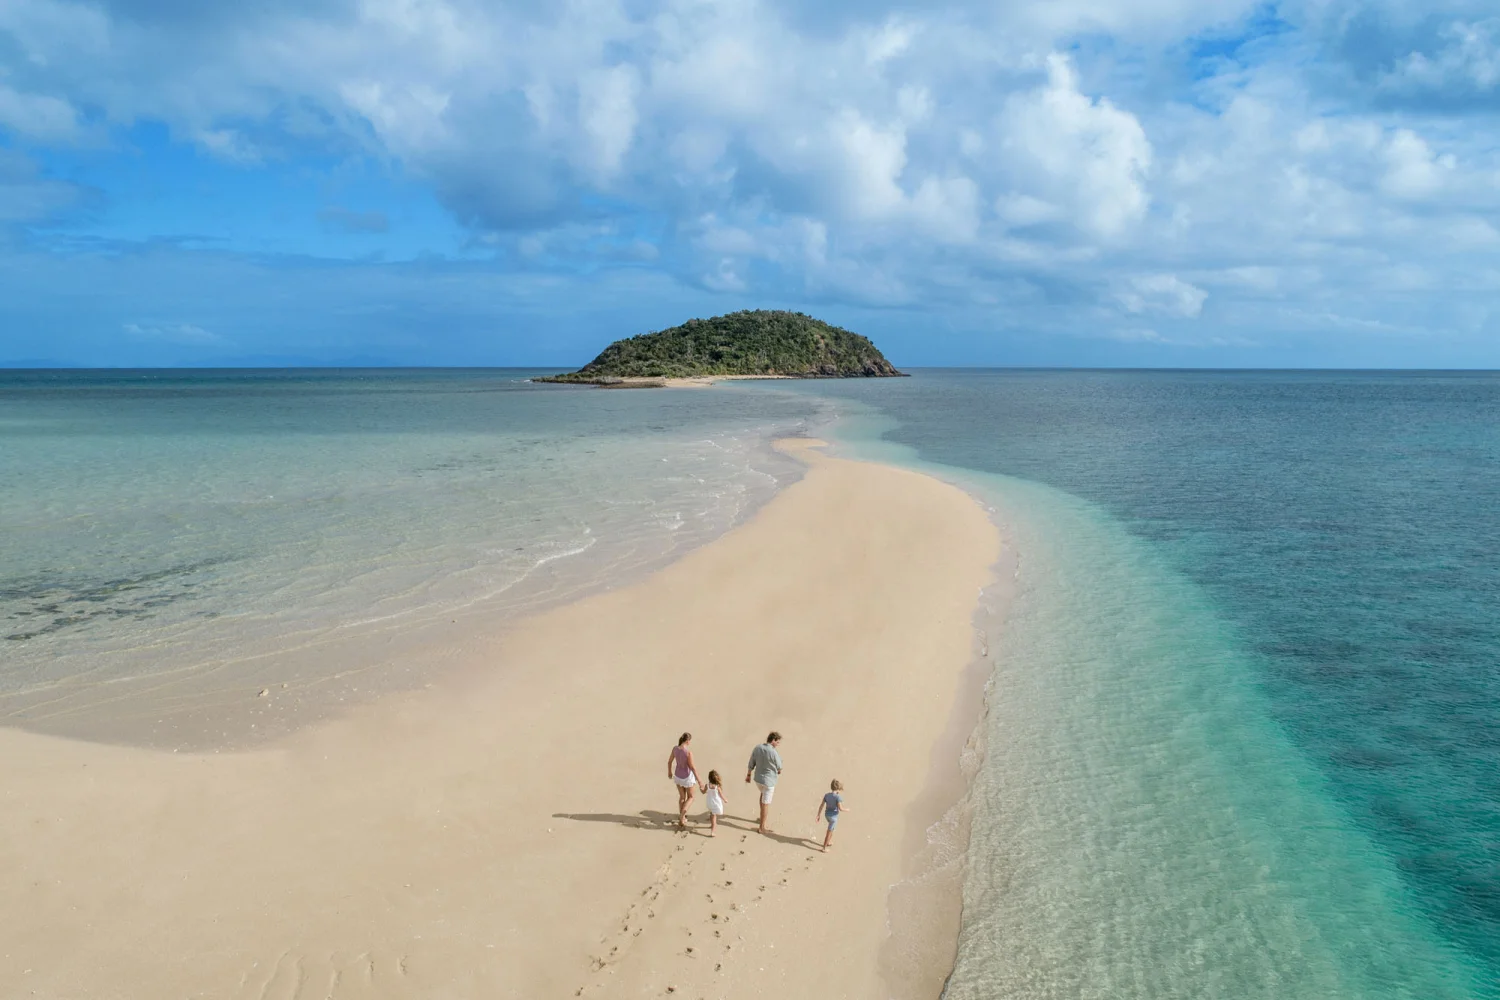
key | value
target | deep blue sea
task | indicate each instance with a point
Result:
(1244, 728)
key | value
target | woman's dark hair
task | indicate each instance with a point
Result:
(684, 738)
(713, 778)
(773, 737)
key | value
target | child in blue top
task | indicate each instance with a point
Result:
(829, 809)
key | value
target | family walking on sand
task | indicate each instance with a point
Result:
(764, 768)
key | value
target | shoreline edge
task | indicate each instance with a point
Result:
(487, 836)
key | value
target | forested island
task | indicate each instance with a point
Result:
(753, 343)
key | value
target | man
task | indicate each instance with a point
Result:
(765, 768)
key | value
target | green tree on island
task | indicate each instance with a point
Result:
(752, 342)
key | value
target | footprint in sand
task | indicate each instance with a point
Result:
(294, 975)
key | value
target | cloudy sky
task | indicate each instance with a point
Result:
(1070, 182)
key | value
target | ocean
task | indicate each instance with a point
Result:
(1244, 727)
(1244, 737)
(175, 539)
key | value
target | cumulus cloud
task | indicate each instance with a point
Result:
(1162, 293)
(1086, 158)
(1413, 170)
(1072, 161)
(1466, 59)
(37, 116)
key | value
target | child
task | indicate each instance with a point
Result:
(714, 796)
(829, 808)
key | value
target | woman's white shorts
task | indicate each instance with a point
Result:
(691, 781)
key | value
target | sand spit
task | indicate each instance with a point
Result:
(507, 833)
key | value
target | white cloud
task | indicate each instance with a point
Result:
(725, 277)
(1468, 60)
(38, 116)
(1412, 170)
(870, 161)
(890, 40)
(946, 209)
(1166, 294)
(1016, 155)
(228, 144)
(1072, 150)
(606, 111)
(408, 117)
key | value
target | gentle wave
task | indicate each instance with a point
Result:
(211, 526)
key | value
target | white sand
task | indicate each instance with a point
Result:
(504, 834)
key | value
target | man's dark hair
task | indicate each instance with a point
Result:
(773, 737)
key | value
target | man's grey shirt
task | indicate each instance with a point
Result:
(766, 763)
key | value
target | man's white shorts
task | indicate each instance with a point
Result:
(766, 791)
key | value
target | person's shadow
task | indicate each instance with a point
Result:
(654, 819)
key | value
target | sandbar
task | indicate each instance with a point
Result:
(507, 832)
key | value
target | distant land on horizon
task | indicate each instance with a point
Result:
(758, 342)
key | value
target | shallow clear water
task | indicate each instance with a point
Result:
(173, 523)
(1245, 734)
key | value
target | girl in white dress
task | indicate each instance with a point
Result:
(714, 796)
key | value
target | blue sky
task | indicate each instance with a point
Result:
(1038, 182)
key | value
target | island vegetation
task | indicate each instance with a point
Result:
(753, 343)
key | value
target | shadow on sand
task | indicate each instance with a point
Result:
(652, 819)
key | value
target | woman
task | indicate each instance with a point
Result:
(684, 775)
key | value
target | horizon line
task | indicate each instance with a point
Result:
(55, 367)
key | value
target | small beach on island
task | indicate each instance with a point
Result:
(508, 831)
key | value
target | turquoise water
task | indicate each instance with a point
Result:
(1244, 737)
(174, 537)
(1245, 726)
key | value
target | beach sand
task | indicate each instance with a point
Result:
(506, 832)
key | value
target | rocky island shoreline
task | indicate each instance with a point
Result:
(749, 344)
